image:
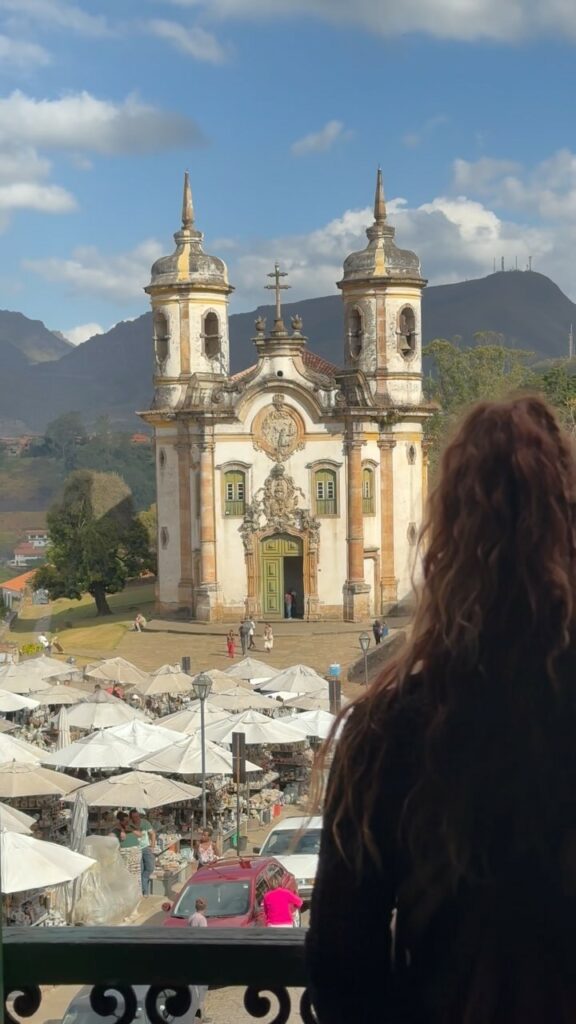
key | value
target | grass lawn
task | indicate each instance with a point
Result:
(80, 631)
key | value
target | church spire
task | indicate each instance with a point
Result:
(379, 201)
(187, 207)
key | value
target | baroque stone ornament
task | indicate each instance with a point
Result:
(278, 430)
(276, 506)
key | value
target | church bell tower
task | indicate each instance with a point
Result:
(189, 294)
(382, 291)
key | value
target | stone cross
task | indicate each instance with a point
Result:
(277, 287)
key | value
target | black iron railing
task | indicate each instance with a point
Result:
(266, 962)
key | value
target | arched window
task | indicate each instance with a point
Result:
(212, 339)
(325, 492)
(355, 332)
(407, 332)
(368, 504)
(234, 492)
(161, 338)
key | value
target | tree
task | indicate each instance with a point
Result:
(96, 541)
(559, 386)
(461, 376)
(63, 436)
(149, 519)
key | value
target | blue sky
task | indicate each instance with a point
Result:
(282, 110)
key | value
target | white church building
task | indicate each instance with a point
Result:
(294, 475)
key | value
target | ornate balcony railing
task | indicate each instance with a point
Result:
(265, 962)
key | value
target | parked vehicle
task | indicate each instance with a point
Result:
(296, 844)
(233, 890)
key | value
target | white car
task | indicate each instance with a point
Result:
(295, 842)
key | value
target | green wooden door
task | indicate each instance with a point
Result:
(273, 580)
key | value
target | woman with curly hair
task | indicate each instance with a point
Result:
(446, 889)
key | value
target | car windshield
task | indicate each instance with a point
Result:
(287, 841)
(224, 899)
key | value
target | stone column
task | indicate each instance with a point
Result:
(388, 581)
(186, 584)
(207, 598)
(426, 446)
(356, 591)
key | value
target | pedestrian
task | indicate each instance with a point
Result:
(45, 643)
(121, 828)
(384, 630)
(146, 841)
(207, 849)
(198, 918)
(268, 637)
(449, 804)
(294, 597)
(231, 643)
(139, 623)
(251, 634)
(279, 906)
(288, 604)
(377, 630)
(244, 634)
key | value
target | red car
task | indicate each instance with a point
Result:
(233, 889)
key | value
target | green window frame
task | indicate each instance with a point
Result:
(234, 492)
(368, 503)
(325, 492)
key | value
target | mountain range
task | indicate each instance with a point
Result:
(42, 375)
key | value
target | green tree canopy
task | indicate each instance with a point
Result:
(63, 436)
(96, 541)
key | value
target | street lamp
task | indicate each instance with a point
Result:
(364, 641)
(201, 687)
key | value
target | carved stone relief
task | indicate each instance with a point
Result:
(276, 506)
(278, 430)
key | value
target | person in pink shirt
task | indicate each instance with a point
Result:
(279, 905)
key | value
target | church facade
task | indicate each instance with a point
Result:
(294, 475)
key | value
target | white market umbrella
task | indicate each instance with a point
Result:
(13, 820)
(221, 680)
(101, 711)
(188, 720)
(138, 789)
(296, 679)
(116, 670)
(31, 675)
(59, 694)
(238, 698)
(145, 736)
(17, 779)
(250, 668)
(308, 702)
(7, 726)
(99, 750)
(257, 728)
(168, 679)
(13, 749)
(185, 758)
(15, 702)
(64, 738)
(312, 723)
(29, 863)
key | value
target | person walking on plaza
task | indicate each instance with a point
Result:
(279, 906)
(288, 605)
(294, 606)
(208, 850)
(146, 842)
(268, 637)
(244, 634)
(251, 634)
(231, 643)
(449, 806)
(377, 631)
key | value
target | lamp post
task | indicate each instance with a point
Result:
(364, 641)
(201, 688)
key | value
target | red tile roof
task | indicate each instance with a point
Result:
(18, 583)
(25, 548)
(318, 364)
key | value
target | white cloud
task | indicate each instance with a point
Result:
(81, 122)
(465, 20)
(54, 14)
(32, 196)
(195, 41)
(414, 139)
(20, 55)
(320, 141)
(119, 277)
(547, 190)
(82, 332)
